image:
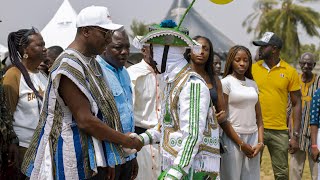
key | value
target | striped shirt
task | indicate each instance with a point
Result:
(307, 91)
(59, 149)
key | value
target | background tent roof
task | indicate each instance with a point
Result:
(197, 25)
(61, 29)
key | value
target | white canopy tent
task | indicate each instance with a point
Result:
(61, 29)
(3, 52)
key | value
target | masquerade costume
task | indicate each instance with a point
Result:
(188, 131)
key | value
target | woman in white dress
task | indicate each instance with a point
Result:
(241, 161)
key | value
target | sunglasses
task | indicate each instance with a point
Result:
(31, 31)
(107, 33)
(305, 63)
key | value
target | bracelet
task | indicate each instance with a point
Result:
(261, 143)
(314, 146)
(241, 145)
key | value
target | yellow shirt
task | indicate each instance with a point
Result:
(305, 89)
(274, 85)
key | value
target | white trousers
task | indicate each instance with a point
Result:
(149, 162)
(234, 164)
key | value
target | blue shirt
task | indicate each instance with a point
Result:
(315, 109)
(119, 82)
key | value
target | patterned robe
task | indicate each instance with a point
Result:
(59, 149)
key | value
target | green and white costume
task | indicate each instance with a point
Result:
(188, 133)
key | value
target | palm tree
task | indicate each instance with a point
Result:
(261, 7)
(284, 21)
(311, 48)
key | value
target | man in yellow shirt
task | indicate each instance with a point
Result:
(276, 79)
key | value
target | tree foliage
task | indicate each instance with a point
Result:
(312, 49)
(284, 21)
(261, 7)
(138, 28)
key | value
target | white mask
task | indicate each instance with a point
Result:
(174, 54)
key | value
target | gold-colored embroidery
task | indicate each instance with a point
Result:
(211, 123)
(166, 146)
(212, 150)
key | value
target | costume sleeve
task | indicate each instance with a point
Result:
(194, 101)
(315, 109)
(294, 81)
(151, 136)
(11, 84)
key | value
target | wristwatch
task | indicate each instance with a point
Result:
(296, 134)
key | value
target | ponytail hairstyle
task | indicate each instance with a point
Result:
(17, 42)
(230, 58)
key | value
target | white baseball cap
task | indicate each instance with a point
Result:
(96, 16)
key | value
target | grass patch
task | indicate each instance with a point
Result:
(266, 172)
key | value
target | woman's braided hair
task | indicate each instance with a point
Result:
(17, 42)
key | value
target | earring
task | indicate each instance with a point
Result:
(189, 55)
(25, 56)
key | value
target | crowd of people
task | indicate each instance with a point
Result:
(79, 113)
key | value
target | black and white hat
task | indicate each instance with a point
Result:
(269, 38)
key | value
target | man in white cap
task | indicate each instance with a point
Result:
(79, 124)
(276, 79)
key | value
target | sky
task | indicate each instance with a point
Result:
(17, 14)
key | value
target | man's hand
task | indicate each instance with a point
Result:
(129, 143)
(293, 145)
(137, 141)
(314, 153)
(13, 155)
(135, 169)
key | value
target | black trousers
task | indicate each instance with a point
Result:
(123, 171)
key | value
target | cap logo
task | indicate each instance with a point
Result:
(267, 36)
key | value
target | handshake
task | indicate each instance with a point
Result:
(133, 144)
